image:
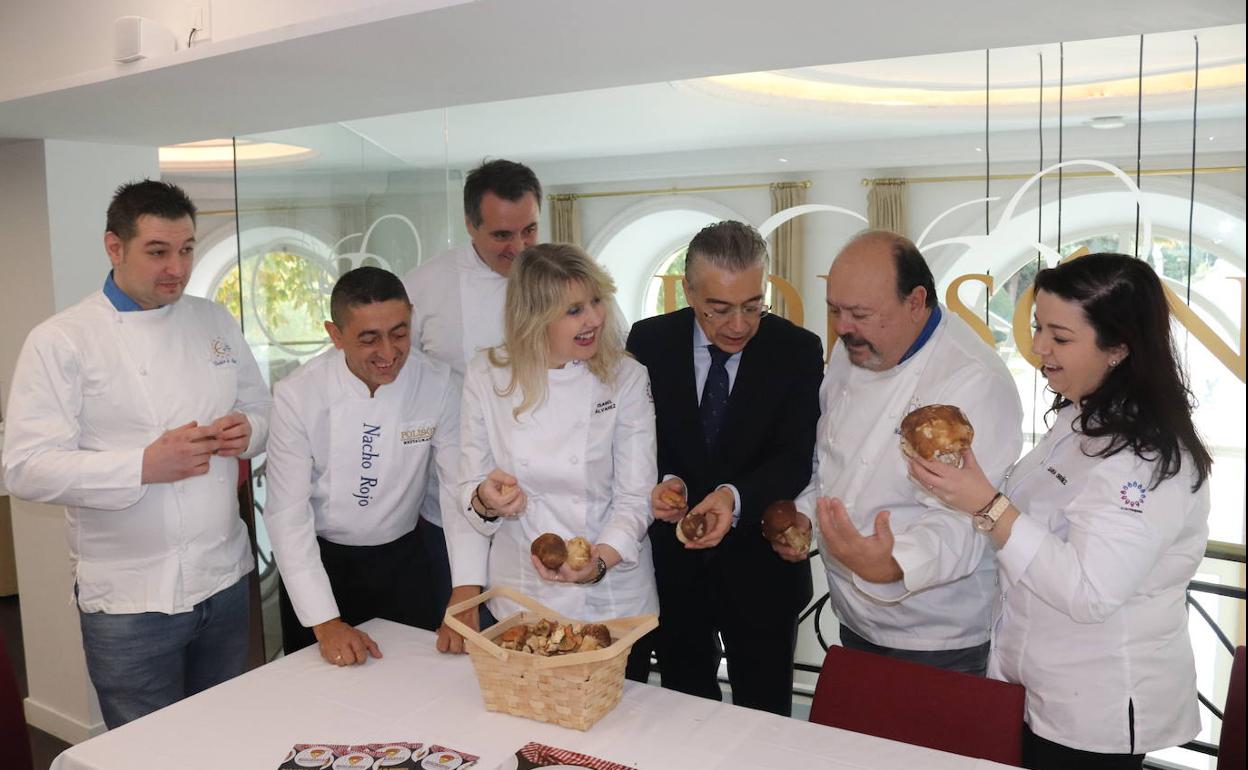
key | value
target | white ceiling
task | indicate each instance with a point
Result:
(688, 128)
(358, 65)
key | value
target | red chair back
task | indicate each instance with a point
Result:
(1231, 743)
(921, 705)
(14, 736)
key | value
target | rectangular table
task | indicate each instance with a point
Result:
(415, 693)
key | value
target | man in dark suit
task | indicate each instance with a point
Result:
(736, 404)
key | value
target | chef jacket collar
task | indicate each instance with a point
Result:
(929, 328)
(119, 298)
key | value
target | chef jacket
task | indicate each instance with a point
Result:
(448, 328)
(350, 466)
(95, 386)
(1093, 620)
(944, 600)
(585, 459)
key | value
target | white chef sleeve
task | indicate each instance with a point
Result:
(476, 458)
(467, 549)
(942, 545)
(635, 461)
(253, 398)
(288, 515)
(1112, 543)
(42, 459)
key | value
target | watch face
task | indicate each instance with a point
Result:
(983, 522)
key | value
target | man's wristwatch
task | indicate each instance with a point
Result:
(985, 520)
(602, 572)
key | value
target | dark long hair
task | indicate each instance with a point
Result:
(1144, 403)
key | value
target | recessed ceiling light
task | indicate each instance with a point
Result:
(786, 160)
(221, 154)
(1107, 122)
(979, 149)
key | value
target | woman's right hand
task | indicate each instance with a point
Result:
(668, 500)
(501, 494)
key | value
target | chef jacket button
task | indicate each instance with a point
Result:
(220, 479)
(143, 370)
(524, 463)
(574, 459)
(579, 424)
(862, 460)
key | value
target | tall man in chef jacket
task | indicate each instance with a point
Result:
(356, 432)
(131, 409)
(457, 310)
(907, 577)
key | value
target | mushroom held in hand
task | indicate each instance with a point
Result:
(672, 498)
(936, 432)
(692, 526)
(578, 553)
(780, 525)
(550, 550)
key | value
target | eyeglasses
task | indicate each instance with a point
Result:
(750, 311)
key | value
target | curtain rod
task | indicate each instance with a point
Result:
(1076, 174)
(676, 190)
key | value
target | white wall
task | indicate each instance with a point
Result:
(44, 41)
(53, 197)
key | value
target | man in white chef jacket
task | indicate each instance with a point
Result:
(356, 432)
(457, 305)
(907, 577)
(131, 409)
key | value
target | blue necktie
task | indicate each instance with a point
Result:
(715, 395)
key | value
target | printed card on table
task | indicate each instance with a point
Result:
(535, 755)
(399, 755)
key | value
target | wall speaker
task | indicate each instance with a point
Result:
(135, 37)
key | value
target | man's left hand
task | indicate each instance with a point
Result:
(870, 557)
(233, 432)
(718, 506)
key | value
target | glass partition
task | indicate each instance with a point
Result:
(957, 139)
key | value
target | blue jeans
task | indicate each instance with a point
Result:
(144, 661)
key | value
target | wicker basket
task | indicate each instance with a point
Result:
(573, 690)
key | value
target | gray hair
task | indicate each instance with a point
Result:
(728, 245)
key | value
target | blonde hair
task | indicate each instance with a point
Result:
(537, 297)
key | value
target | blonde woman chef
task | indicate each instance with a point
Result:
(557, 435)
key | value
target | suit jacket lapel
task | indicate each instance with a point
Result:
(686, 383)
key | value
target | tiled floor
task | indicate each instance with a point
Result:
(44, 746)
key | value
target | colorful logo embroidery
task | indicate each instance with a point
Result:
(1133, 495)
(222, 353)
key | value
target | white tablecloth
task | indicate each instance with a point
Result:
(414, 693)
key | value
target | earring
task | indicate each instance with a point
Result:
(1113, 362)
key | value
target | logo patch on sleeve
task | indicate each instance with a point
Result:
(1133, 495)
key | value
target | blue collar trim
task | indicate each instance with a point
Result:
(119, 298)
(929, 328)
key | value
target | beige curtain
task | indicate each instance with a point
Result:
(886, 205)
(786, 242)
(565, 220)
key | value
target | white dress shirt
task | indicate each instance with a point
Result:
(350, 466)
(944, 600)
(585, 459)
(449, 329)
(92, 389)
(1093, 614)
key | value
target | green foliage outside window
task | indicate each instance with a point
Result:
(291, 296)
